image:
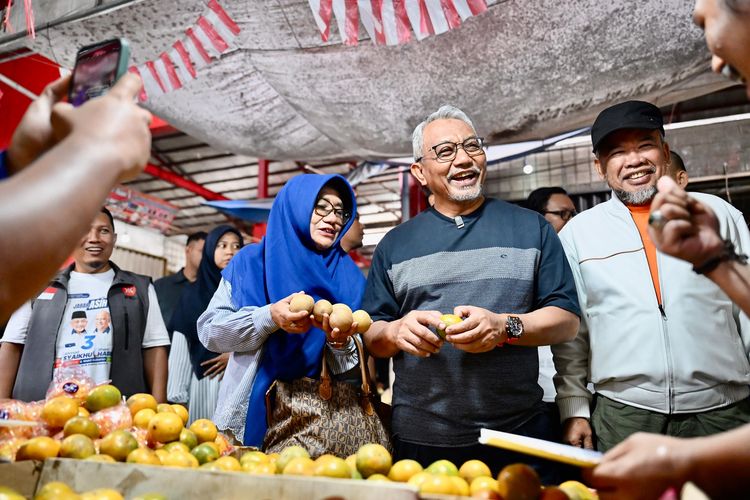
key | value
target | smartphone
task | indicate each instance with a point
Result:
(97, 68)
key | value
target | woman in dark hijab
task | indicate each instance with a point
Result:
(194, 371)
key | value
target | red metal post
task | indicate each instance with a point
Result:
(263, 178)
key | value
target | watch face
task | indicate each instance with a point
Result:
(514, 327)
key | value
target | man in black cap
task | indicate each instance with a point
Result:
(665, 348)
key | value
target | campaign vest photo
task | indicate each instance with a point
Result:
(128, 306)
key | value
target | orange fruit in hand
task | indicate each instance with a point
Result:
(363, 320)
(341, 319)
(448, 320)
(322, 307)
(301, 302)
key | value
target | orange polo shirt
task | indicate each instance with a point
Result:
(640, 216)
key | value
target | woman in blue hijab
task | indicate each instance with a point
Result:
(194, 371)
(249, 314)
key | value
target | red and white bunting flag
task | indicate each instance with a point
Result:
(29, 10)
(223, 31)
(225, 21)
(392, 22)
(182, 60)
(347, 19)
(214, 39)
(395, 22)
(477, 6)
(198, 54)
(169, 69)
(142, 95)
(469, 8)
(322, 10)
(151, 84)
(162, 75)
(213, 34)
(6, 19)
(182, 67)
(450, 13)
(205, 40)
(370, 13)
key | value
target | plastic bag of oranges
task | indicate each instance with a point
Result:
(71, 381)
(13, 409)
(140, 435)
(113, 418)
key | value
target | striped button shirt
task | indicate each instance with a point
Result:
(224, 327)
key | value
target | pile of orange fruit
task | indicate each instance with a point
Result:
(101, 426)
(373, 462)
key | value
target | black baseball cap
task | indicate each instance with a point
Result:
(628, 114)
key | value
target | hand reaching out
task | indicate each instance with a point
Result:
(114, 122)
(292, 322)
(217, 365)
(34, 136)
(689, 229)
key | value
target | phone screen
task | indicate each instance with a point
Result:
(95, 71)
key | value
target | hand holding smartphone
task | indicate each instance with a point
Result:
(97, 68)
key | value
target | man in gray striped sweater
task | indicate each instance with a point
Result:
(498, 266)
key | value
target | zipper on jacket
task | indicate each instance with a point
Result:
(668, 345)
(662, 311)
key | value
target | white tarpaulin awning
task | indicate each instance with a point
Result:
(272, 88)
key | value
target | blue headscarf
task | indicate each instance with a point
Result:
(284, 262)
(195, 299)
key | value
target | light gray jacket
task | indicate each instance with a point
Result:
(690, 355)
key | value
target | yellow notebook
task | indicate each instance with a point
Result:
(541, 448)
